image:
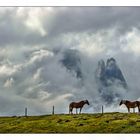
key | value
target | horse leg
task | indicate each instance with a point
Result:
(76, 110)
(133, 110)
(70, 110)
(138, 109)
(138, 105)
(128, 110)
(80, 111)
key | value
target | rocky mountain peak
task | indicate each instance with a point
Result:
(110, 72)
(72, 62)
(108, 75)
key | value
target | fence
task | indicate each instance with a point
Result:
(102, 111)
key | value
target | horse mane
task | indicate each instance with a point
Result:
(126, 101)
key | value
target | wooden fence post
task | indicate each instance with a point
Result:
(102, 109)
(26, 112)
(53, 111)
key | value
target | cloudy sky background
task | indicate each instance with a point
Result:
(32, 44)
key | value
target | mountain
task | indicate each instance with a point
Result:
(71, 61)
(110, 73)
(110, 80)
(109, 76)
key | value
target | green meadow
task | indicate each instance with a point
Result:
(63, 123)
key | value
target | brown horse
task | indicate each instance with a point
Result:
(77, 105)
(130, 104)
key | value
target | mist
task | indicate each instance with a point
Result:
(34, 42)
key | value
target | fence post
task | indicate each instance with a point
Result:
(26, 112)
(102, 109)
(53, 111)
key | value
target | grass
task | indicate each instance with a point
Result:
(84, 123)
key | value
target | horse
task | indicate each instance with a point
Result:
(130, 104)
(77, 105)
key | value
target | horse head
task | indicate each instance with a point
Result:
(122, 102)
(86, 102)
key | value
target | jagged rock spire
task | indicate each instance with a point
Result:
(108, 75)
(110, 72)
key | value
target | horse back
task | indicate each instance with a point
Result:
(131, 104)
(71, 104)
(76, 104)
(138, 103)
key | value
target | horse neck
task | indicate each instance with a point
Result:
(84, 102)
(125, 102)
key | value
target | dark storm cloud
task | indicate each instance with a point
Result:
(92, 19)
(66, 20)
(34, 41)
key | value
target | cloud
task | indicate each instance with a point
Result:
(93, 19)
(9, 82)
(34, 41)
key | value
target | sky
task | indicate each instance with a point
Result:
(34, 40)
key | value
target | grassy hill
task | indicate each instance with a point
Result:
(64, 123)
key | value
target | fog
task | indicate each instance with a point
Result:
(33, 42)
